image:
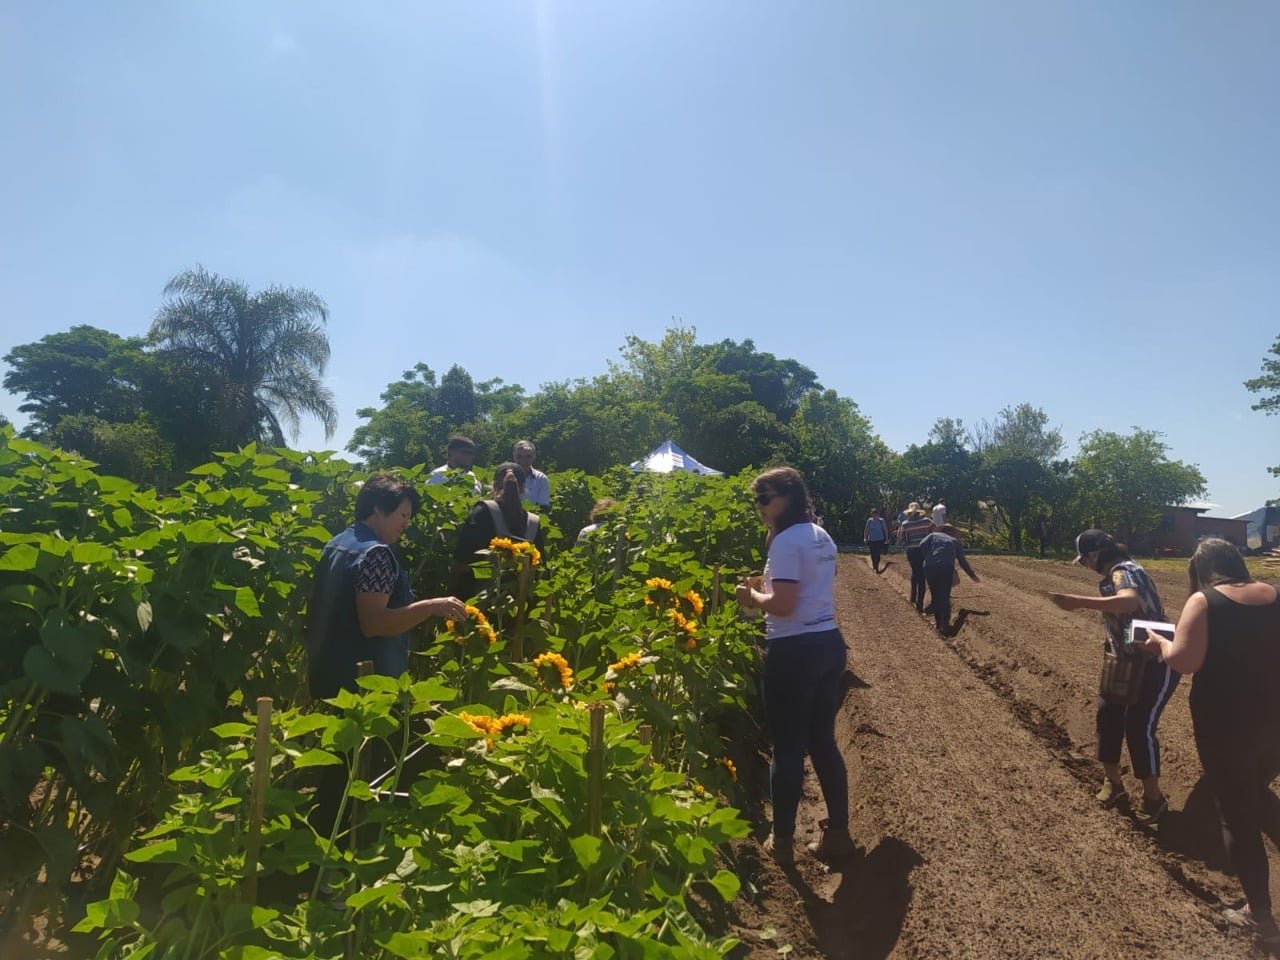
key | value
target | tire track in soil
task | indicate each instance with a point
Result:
(971, 797)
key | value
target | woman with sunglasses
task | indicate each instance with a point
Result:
(1127, 592)
(804, 662)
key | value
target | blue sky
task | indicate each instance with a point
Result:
(941, 208)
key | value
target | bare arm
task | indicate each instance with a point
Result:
(379, 620)
(780, 602)
(1125, 601)
(1186, 651)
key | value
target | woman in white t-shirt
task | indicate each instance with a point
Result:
(804, 662)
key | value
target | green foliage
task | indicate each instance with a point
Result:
(1126, 481)
(1268, 384)
(139, 625)
(265, 353)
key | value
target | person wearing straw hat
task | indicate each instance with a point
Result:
(911, 533)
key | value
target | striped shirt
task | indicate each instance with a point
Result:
(911, 532)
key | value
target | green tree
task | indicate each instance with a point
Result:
(1016, 450)
(1125, 482)
(264, 353)
(942, 469)
(419, 415)
(1269, 385)
(83, 371)
(841, 459)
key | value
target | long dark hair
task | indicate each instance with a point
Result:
(787, 482)
(1216, 561)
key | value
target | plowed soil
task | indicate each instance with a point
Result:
(972, 780)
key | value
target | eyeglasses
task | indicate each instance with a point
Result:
(764, 499)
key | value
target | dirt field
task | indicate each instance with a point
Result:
(971, 778)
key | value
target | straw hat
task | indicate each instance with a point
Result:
(913, 509)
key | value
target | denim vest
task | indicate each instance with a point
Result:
(335, 643)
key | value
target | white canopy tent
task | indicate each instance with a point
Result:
(666, 457)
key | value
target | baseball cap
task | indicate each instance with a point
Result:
(1092, 540)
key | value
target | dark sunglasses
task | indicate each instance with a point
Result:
(764, 499)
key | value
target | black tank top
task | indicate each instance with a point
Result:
(1237, 690)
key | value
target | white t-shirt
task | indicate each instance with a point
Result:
(537, 489)
(805, 553)
(939, 514)
(441, 473)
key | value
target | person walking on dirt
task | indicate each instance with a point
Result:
(875, 534)
(911, 531)
(941, 552)
(1229, 637)
(1127, 591)
(804, 662)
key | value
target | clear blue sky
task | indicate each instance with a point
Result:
(941, 208)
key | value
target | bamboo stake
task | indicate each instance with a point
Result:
(595, 770)
(522, 599)
(257, 799)
(363, 669)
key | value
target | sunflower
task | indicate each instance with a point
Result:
(563, 673)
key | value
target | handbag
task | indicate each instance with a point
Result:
(1121, 680)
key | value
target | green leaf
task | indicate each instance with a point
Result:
(384, 893)
(122, 518)
(88, 551)
(587, 849)
(107, 915)
(247, 602)
(316, 758)
(19, 556)
(234, 731)
(208, 470)
(166, 851)
(39, 667)
(727, 884)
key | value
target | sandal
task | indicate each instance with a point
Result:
(1153, 810)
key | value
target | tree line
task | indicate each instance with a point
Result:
(223, 366)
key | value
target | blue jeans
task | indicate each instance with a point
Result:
(802, 675)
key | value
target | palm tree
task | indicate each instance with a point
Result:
(264, 354)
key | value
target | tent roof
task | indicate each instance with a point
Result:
(666, 457)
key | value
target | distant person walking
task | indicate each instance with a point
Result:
(939, 516)
(941, 553)
(911, 531)
(875, 534)
(1127, 591)
(1229, 637)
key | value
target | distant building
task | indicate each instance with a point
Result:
(1182, 527)
(1264, 527)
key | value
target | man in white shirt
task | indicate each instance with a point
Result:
(459, 455)
(537, 488)
(939, 514)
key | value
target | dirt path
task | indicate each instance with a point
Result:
(971, 784)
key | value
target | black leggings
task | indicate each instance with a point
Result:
(877, 551)
(1240, 775)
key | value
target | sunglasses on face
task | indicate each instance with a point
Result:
(764, 499)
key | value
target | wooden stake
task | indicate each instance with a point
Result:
(522, 600)
(257, 799)
(595, 770)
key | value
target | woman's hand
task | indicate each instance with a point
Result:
(743, 594)
(450, 608)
